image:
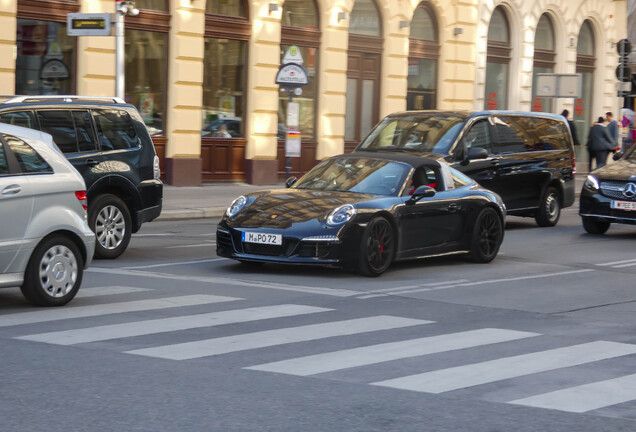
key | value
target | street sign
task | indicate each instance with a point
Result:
(293, 55)
(292, 75)
(559, 85)
(88, 24)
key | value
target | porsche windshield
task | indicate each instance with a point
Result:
(354, 174)
(430, 133)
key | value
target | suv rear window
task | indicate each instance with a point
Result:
(4, 167)
(30, 161)
(72, 131)
(115, 130)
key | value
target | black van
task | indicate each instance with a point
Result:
(525, 157)
(107, 142)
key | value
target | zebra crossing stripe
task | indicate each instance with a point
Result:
(338, 360)
(586, 397)
(68, 312)
(117, 331)
(269, 338)
(509, 367)
(108, 290)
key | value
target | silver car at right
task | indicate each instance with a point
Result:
(45, 241)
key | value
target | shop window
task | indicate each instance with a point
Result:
(544, 61)
(365, 19)
(158, 5)
(585, 65)
(497, 61)
(45, 61)
(225, 7)
(423, 59)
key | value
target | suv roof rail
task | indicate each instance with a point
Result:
(64, 98)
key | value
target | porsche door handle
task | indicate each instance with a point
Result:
(11, 190)
(91, 162)
(452, 208)
(495, 162)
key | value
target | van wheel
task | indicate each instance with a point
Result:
(549, 208)
(54, 273)
(109, 219)
(595, 227)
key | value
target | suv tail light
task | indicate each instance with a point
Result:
(156, 171)
(81, 196)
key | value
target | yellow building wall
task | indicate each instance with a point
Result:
(96, 56)
(8, 48)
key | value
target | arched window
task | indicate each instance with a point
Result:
(363, 71)
(585, 65)
(227, 32)
(300, 27)
(423, 59)
(544, 61)
(146, 63)
(46, 56)
(497, 61)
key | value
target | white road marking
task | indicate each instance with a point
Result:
(625, 265)
(336, 292)
(493, 281)
(140, 328)
(509, 367)
(613, 263)
(432, 284)
(108, 290)
(270, 338)
(167, 264)
(586, 397)
(368, 355)
(69, 312)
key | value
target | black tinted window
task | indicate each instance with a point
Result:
(511, 137)
(540, 134)
(21, 118)
(84, 128)
(4, 167)
(479, 136)
(30, 161)
(61, 127)
(115, 130)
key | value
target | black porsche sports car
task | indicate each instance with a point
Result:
(363, 211)
(609, 194)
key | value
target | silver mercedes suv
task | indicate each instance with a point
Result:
(45, 241)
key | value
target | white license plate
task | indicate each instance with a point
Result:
(624, 205)
(263, 238)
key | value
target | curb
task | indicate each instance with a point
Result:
(202, 213)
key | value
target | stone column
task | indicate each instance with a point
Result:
(185, 93)
(8, 48)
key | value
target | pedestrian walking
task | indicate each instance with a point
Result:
(612, 128)
(600, 143)
(565, 113)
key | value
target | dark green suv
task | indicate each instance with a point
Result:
(107, 142)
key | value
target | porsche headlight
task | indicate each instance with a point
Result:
(591, 183)
(341, 214)
(236, 206)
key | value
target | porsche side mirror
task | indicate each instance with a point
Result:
(290, 181)
(617, 155)
(421, 192)
(477, 153)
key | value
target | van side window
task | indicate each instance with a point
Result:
(30, 161)
(550, 134)
(479, 136)
(115, 130)
(20, 118)
(61, 127)
(511, 135)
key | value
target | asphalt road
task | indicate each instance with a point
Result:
(171, 338)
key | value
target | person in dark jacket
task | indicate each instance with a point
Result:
(612, 127)
(565, 113)
(600, 142)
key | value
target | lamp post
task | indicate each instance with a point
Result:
(124, 7)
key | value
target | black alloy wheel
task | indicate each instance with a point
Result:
(487, 236)
(595, 227)
(377, 247)
(549, 210)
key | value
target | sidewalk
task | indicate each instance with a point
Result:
(212, 199)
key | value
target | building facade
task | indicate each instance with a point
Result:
(202, 72)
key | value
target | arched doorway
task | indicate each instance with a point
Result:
(585, 65)
(423, 59)
(544, 61)
(497, 61)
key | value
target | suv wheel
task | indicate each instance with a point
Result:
(549, 208)
(109, 219)
(54, 273)
(595, 227)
